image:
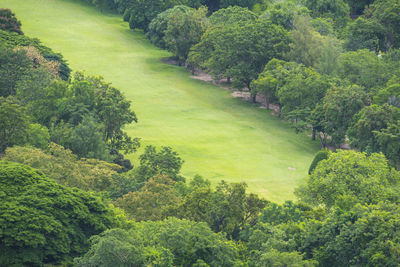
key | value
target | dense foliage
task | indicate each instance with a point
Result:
(330, 67)
(171, 242)
(43, 222)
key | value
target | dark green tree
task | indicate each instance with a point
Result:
(43, 222)
(13, 66)
(185, 26)
(14, 123)
(171, 242)
(9, 22)
(349, 177)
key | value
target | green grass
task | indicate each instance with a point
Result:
(219, 137)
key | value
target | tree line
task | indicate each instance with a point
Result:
(67, 196)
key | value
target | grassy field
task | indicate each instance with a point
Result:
(219, 137)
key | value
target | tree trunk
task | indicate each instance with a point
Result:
(313, 134)
(252, 96)
(228, 80)
(279, 110)
(267, 100)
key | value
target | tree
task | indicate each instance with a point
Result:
(232, 15)
(283, 13)
(369, 120)
(43, 222)
(302, 91)
(87, 141)
(339, 106)
(349, 177)
(202, 55)
(364, 33)
(241, 51)
(338, 10)
(386, 13)
(14, 123)
(13, 65)
(287, 212)
(153, 202)
(158, 26)
(357, 6)
(140, 13)
(65, 168)
(227, 209)
(365, 235)
(389, 142)
(363, 68)
(185, 27)
(9, 22)
(171, 242)
(242, 3)
(389, 94)
(306, 42)
(331, 49)
(321, 155)
(272, 79)
(12, 40)
(152, 163)
(38, 136)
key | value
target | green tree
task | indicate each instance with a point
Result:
(140, 13)
(321, 155)
(9, 22)
(272, 79)
(185, 26)
(230, 15)
(389, 142)
(171, 242)
(339, 106)
(87, 141)
(357, 6)
(11, 40)
(66, 168)
(366, 235)
(38, 136)
(331, 49)
(283, 13)
(364, 33)
(43, 222)
(338, 10)
(227, 209)
(302, 91)
(386, 12)
(363, 68)
(164, 162)
(13, 66)
(158, 26)
(369, 120)
(14, 123)
(203, 54)
(154, 201)
(241, 51)
(349, 177)
(306, 42)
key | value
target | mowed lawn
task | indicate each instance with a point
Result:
(219, 137)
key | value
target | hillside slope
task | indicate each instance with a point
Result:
(219, 137)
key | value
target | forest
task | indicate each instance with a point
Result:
(71, 195)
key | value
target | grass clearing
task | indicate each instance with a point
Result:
(219, 137)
